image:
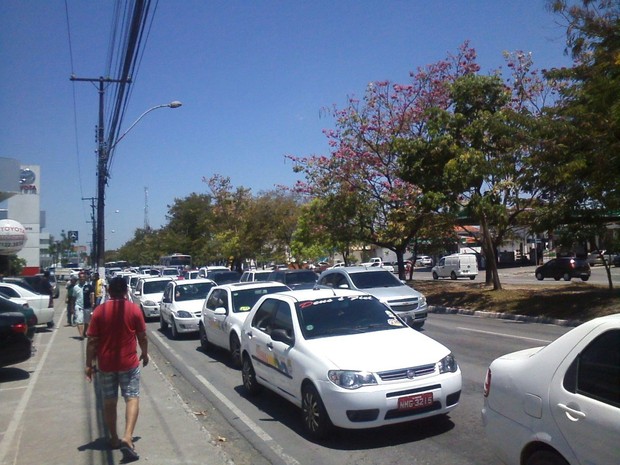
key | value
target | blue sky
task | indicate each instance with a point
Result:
(253, 77)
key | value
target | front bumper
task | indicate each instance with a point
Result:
(373, 406)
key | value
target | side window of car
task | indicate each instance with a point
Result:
(339, 280)
(283, 319)
(262, 317)
(213, 299)
(8, 291)
(596, 371)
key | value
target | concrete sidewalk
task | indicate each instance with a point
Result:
(50, 414)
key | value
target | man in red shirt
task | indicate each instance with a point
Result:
(114, 328)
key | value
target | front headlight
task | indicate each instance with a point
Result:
(447, 364)
(184, 314)
(351, 379)
(422, 301)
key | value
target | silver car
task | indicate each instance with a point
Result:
(405, 301)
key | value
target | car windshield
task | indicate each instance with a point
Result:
(340, 316)
(262, 276)
(154, 287)
(300, 277)
(244, 300)
(224, 277)
(370, 279)
(196, 291)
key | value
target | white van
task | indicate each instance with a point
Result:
(458, 265)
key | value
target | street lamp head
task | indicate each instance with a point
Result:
(175, 104)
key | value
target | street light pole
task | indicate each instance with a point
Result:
(102, 177)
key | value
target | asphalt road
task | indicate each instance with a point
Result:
(525, 275)
(267, 430)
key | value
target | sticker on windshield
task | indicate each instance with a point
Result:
(394, 322)
(245, 308)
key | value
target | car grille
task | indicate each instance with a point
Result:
(407, 373)
(403, 305)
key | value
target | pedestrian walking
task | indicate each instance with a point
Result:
(100, 289)
(82, 308)
(70, 300)
(115, 327)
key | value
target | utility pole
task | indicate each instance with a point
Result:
(102, 169)
(146, 209)
(93, 220)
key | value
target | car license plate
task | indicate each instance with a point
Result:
(416, 401)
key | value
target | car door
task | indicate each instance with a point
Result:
(166, 302)
(585, 398)
(216, 323)
(259, 342)
(283, 369)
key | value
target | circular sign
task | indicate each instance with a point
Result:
(27, 176)
(12, 237)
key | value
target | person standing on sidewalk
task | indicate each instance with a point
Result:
(99, 289)
(114, 328)
(70, 300)
(82, 295)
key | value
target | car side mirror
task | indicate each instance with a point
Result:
(343, 286)
(220, 311)
(281, 335)
(138, 293)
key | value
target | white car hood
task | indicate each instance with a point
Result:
(379, 350)
(390, 293)
(156, 297)
(190, 305)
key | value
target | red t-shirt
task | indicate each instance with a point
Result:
(116, 323)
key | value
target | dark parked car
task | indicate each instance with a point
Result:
(224, 277)
(616, 260)
(565, 268)
(8, 306)
(15, 346)
(295, 279)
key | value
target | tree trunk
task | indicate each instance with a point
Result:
(489, 251)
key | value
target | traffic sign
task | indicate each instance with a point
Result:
(73, 236)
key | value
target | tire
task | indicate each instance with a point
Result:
(566, 277)
(545, 457)
(173, 328)
(453, 275)
(235, 350)
(539, 276)
(50, 324)
(585, 278)
(315, 419)
(249, 377)
(204, 341)
(472, 277)
(435, 275)
(557, 278)
(162, 324)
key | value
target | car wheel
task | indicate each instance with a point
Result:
(557, 278)
(204, 341)
(539, 276)
(50, 324)
(235, 350)
(249, 377)
(453, 275)
(585, 278)
(545, 457)
(162, 324)
(472, 277)
(173, 328)
(316, 422)
(566, 276)
(435, 275)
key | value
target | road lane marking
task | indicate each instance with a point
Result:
(492, 333)
(262, 434)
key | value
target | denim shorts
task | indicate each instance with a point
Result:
(129, 382)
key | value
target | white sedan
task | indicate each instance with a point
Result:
(346, 359)
(181, 305)
(225, 310)
(42, 305)
(558, 404)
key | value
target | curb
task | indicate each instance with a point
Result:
(503, 316)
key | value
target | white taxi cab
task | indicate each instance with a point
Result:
(346, 359)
